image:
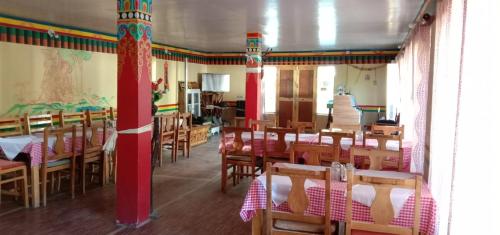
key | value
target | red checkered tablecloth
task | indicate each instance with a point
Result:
(256, 199)
(314, 138)
(34, 149)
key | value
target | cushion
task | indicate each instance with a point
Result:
(301, 227)
(6, 164)
(58, 163)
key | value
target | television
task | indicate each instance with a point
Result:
(215, 82)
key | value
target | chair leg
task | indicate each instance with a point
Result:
(73, 173)
(115, 166)
(188, 145)
(82, 175)
(223, 175)
(59, 182)
(252, 168)
(44, 187)
(184, 150)
(25, 189)
(102, 172)
(161, 155)
(52, 182)
(172, 151)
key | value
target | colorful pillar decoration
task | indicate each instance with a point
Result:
(134, 104)
(253, 82)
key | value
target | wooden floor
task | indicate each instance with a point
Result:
(187, 200)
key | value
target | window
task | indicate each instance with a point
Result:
(324, 88)
(392, 87)
(269, 89)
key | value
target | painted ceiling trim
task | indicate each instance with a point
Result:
(31, 32)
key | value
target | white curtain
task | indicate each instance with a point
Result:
(475, 195)
(413, 65)
(464, 160)
(448, 41)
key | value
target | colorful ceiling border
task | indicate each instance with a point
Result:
(24, 31)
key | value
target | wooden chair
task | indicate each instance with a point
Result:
(354, 127)
(383, 134)
(68, 119)
(168, 135)
(93, 116)
(60, 160)
(113, 114)
(276, 150)
(260, 125)
(302, 126)
(10, 127)
(237, 155)
(381, 210)
(37, 123)
(336, 145)
(13, 172)
(388, 130)
(315, 153)
(297, 221)
(92, 151)
(184, 126)
(378, 159)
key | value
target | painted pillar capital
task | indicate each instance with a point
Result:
(254, 52)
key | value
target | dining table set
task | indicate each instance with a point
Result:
(376, 159)
(23, 140)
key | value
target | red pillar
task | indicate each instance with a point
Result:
(134, 104)
(252, 89)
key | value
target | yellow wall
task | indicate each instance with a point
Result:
(176, 73)
(39, 79)
(237, 80)
(365, 91)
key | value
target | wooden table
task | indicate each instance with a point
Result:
(34, 152)
(255, 202)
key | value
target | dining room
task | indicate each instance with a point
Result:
(249, 117)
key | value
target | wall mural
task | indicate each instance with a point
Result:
(62, 86)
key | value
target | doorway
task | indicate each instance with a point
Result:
(296, 96)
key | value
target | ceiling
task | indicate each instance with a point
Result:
(221, 25)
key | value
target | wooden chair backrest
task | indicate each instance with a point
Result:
(185, 121)
(376, 157)
(66, 119)
(381, 209)
(301, 126)
(388, 130)
(280, 145)
(354, 127)
(59, 150)
(383, 133)
(37, 123)
(10, 127)
(168, 126)
(298, 201)
(93, 116)
(260, 125)
(95, 143)
(337, 137)
(237, 141)
(113, 114)
(316, 153)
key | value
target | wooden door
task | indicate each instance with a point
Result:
(296, 94)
